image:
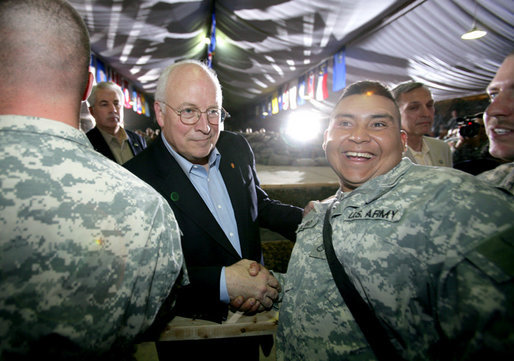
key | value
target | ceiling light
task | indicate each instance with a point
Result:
(474, 33)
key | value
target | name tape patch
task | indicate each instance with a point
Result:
(385, 214)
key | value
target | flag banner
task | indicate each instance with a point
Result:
(274, 103)
(110, 75)
(310, 86)
(134, 100)
(116, 78)
(322, 87)
(300, 99)
(126, 93)
(144, 106)
(101, 74)
(285, 97)
(339, 75)
(139, 109)
(264, 110)
(212, 43)
(292, 97)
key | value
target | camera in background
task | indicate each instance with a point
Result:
(469, 126)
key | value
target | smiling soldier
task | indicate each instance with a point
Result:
(421, 246)
(499, 123)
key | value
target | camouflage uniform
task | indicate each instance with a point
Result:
(413, 241)
(501, 176)
(88, 251)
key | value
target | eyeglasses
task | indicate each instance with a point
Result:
(191, 115)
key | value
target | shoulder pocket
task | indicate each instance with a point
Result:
(495, 256)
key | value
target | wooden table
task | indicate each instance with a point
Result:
(236, 325)
(185, 329)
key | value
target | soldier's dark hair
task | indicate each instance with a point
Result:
(369, 87)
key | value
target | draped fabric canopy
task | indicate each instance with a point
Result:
(262, 44)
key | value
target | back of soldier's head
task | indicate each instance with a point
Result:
(45, 45)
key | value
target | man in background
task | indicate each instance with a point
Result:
(109, 136)
(84, 269)
(417, 112)
(499, 124)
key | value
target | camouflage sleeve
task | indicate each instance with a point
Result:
(318, 210)
(164, 261)
(476, 298)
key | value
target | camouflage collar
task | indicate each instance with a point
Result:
(42, 127)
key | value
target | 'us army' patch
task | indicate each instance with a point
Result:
(384, 214)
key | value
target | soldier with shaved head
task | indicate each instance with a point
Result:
(84, 269)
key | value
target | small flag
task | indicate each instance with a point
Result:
(292, 97)
(274, 103)
(321, 88)
(101, 74)
(300, 99)
(212, 43)
(285, 97)
(126, 93)
(310, 86)
(339, 76)
(134, 100)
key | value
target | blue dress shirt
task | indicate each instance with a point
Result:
(210, 186)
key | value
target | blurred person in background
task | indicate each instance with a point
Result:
(417, 112)
(109, 136)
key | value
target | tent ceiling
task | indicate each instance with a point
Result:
(262, 44)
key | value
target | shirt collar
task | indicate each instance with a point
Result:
(377, 186)
(424, 148)
(187, 166)
(120, 137)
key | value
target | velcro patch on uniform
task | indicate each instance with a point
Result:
(495, 255)
(385, 214)
(318, 252)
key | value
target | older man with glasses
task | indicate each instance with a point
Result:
(208, 177)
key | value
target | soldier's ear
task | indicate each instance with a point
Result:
(89, 86)
(403, 137)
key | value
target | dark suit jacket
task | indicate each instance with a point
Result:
(136, 142)
(206, 248)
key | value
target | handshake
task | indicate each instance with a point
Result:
(251, 287)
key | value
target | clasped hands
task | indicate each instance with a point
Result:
(251, 287)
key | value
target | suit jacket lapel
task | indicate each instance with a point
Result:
(435, 156)
(178, 189)
(99, 143)
(134, 144)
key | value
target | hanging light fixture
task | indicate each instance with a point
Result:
(475, 32)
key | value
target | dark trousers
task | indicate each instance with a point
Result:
(226, 349)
